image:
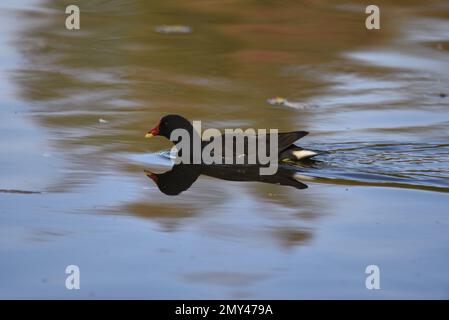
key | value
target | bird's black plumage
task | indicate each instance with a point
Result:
(286, 149)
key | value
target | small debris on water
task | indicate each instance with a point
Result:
(280, 101)
(102, 120)
(443, 95)
(277, 101)
(173, 29)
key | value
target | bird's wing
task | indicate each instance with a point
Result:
(286, 139)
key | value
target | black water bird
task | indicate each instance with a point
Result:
(287, 151)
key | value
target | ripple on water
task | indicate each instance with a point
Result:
(412, 165)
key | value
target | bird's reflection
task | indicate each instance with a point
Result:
(182, 176)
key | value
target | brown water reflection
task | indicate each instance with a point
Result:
(373, 100)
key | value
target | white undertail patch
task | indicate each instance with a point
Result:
(303, 154)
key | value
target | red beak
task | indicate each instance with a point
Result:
(153, 132)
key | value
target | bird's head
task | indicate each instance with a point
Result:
(168, 124)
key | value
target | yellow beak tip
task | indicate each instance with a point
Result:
(148, 135)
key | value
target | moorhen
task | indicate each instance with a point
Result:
(287, 151)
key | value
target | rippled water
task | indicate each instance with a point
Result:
(76, 104)
(413, 165)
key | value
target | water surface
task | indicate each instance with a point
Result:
(76, 104)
